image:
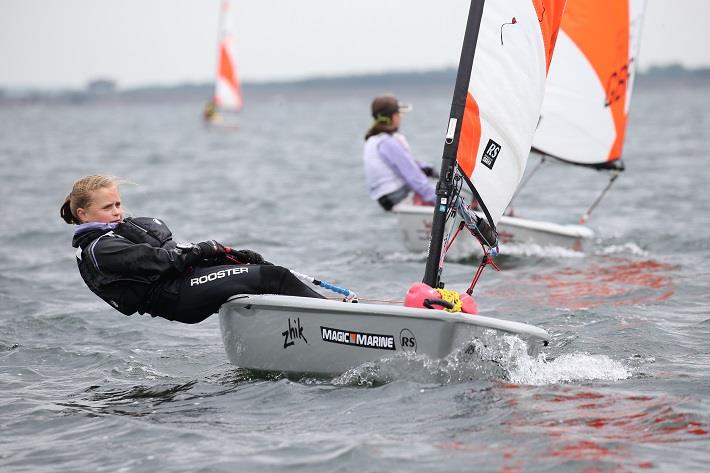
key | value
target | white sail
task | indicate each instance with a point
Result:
(589, 85)
(227, 93)
(505, 94)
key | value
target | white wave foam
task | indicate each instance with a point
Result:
(525, 250)
(399, 257)
(627, 248)
(567, 368)
(531, 249)
(143, 371)
(495, 357)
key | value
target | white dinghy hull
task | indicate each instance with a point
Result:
(325, 337)
(415, 224)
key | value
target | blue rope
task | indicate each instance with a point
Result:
(350, 295)
(339, 290)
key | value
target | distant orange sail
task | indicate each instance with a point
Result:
(228, 93)
(586, 105)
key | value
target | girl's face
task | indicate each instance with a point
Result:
(396, 119)
(105, 207)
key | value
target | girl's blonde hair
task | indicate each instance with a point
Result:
(80, 195)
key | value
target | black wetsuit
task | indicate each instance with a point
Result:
(136, 266)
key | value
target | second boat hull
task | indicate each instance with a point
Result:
(415, 224)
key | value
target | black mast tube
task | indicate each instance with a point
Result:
(444, 187)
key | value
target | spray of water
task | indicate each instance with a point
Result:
(493, 357)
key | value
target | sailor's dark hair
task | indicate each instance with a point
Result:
(81, 194)
(383, 108)
(381, 126)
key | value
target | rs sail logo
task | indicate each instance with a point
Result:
(358, 339)
(490, 154)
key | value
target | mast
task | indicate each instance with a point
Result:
(432, 272)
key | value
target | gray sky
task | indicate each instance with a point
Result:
(65, 43)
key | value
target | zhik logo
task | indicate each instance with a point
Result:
(293, 333)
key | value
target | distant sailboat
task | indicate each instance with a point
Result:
(227, 91)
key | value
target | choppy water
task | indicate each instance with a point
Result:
(624, 385)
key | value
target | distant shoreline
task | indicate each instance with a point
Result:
(103, 89)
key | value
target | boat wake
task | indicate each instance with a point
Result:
(534, 250)
(495, 358)
(629, 248)
(515, 250)
(404, 257)
(573, 367)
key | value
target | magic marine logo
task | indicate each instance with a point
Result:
(358, 339)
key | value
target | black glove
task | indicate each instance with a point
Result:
(429, 171)
(247, 257)
(208, 249)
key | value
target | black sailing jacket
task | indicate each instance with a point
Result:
(126, 266)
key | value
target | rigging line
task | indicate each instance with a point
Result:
(447, 242)
(527, 179)
(372, 301)
(487, 259)
(583, 219)
(448, 239)
(479, 201)
(451, 242)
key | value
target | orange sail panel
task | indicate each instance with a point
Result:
(470, 136)
(515, 42)
(585, 111)
(227, 70)
(549, 14)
